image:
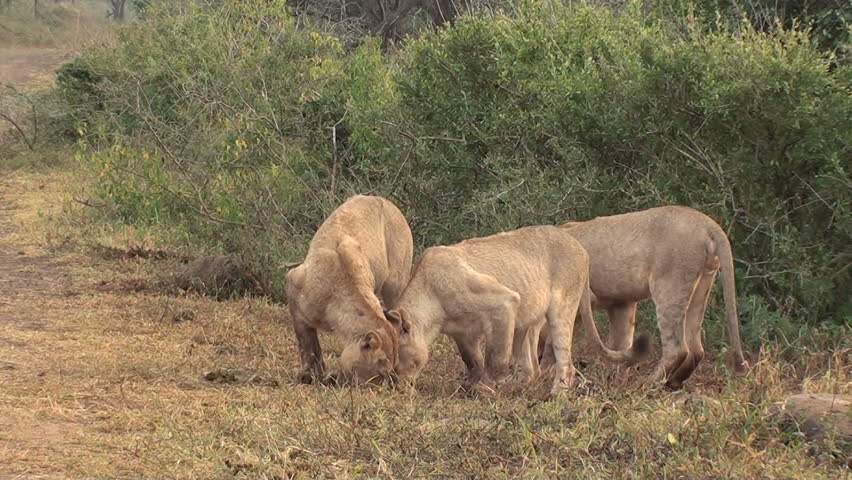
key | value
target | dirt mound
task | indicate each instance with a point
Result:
(221, 277)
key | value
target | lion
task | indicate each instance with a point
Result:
(670, 254)
(501, 290)
(358, 263)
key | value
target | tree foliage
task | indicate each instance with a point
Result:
(239, 128)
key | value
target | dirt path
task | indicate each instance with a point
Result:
(26, 67)
(27, 279)
(24, 275)
(32, 284)
(90, 365)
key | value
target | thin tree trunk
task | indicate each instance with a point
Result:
(117, 9)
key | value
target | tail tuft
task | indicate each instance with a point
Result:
(741, 368)
(641, 348)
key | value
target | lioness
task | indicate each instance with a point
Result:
(360, 254)
(502, 289)
(672, 255)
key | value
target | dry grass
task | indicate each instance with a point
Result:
(65, 25)
(99, 381)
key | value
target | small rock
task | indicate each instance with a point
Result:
(220, 276)
(570, 415)
(238, 467)
(220, 376)
(183, 316)
(223, 375)
(224, 348)
(696, 400)
(466, 423)
(817, 414)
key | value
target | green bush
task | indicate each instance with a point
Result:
(626, 113)
(240, 131)
(210, 124)
(828, 20)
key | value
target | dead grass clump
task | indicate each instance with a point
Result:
(133, 252)
(219, 276)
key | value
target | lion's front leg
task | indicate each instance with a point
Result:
(471, 353)
(498, 347)
(310, 352)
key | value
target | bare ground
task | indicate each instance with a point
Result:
(33, 290)
(69, 325)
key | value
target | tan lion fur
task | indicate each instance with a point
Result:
(672, 255)
(358, 262)
(499, 290)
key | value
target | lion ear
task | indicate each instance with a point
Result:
(397, 319)
(371, 341)
(393, 316)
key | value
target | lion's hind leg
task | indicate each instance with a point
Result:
(672, 297)
(525, 353)
(622, 324)
(694, 322)
(532, 348)
(560, 322)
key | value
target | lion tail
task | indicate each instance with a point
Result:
(726, 261)
(639, 351)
